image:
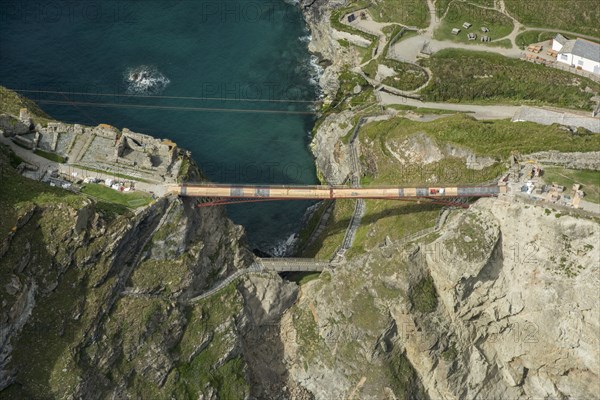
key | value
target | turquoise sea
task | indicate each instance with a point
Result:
(238, 51)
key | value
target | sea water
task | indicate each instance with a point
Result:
(176, 55)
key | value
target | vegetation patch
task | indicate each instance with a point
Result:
(482, 77)
(423, 296)
(50, 156)
(490, 138)
(325, 246)
(526, 38)
(458, 13)
(19, 193)
(579, 16)
(11, 103)
(406, 12)
(108, 195)
(406, 383)
(407, 76)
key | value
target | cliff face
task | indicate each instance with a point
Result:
(95, 304)
(500, 303)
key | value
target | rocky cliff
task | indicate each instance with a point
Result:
(94, 302)
(500, 303)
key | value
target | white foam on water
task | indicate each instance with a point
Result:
(145, 79)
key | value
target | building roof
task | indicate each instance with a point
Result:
(582, 48)
(561, 39)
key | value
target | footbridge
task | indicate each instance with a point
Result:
(262, 265)
(292, 264)
(225, 194)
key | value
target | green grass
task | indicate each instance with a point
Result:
(345, 97)
(405, 12)
(344, 43)
(482, 77)
(590, 181)
(423, 296)
(50, 156)
(441, 6)
(489, 138)
(579, 16)
(526, 38)
(302, 278)
(458, 13)
(108, 195)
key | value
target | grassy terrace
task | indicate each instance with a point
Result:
(458, 13)
(579, 16)
(405, 12)
(482, 77)
(108, 195)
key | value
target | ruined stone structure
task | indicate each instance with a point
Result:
(103, 147)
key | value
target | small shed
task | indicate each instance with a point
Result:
(484, 29)
(472, 36)
(467, 25)
(351, 18)
(455, 31)
(485, 39)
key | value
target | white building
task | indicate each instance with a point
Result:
(578, 53)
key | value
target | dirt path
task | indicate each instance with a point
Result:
(478, 111)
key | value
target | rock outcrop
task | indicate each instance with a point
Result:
(501, 303)
(95, 304)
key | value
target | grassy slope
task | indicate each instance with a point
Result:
(406, 12)
(484, 77)
(19, 194)
(106, 194)
(54, 367)
(489, 138)
(579, 16)
(11, 102)
(458, 13)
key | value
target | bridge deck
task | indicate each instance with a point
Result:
(329, 192)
